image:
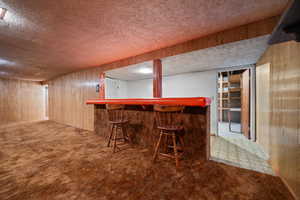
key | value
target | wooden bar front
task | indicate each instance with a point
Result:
(142, 128)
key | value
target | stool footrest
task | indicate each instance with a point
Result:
(178, 147)
(166, 155)
(169, 155)
(121, 138)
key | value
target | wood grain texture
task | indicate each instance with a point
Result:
(68, 93)
(67, 97)
(284, 123)
(157, 78)
(263, 106)
(21, 101)
(142, 127)
(245, 102)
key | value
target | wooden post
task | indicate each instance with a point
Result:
(102, 86)
(157, 78)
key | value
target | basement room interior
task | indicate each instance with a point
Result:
(181, 99)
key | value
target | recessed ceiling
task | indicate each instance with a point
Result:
(42, 39)
(239, 53)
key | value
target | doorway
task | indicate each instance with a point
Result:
(234, 142)
(234, 103)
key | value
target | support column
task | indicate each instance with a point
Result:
(157, 78)
(102, 86)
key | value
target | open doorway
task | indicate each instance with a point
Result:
(234, 142)
(234, 103)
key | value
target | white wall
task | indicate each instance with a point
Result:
(140, 88)
(199, 84)
(115, 88)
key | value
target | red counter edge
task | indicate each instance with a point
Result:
(191, 101)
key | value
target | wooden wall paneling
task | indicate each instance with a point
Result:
(284, 122)
(142, 128)
(21, 101)
(263, 105)
(67, 97)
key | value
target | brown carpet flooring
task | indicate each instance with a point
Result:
(47, 160)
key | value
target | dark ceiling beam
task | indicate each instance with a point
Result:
(288, 27)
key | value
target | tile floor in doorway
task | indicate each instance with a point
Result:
(234, 149)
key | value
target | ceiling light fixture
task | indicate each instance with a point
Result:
(145, 71)
(2, 12)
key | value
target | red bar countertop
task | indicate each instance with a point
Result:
(193, 101)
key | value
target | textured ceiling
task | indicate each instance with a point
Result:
(244, 52)
(42, 39)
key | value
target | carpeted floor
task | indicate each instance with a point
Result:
(47, 160)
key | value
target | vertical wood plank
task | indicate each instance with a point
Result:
(263, 105)
(21, 101)
(157, 78)
(67, 96)
(245, 115)
(284, 112)
(102, 86)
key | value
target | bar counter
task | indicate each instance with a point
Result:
(142, 128)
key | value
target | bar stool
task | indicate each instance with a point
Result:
(117, 121)
(170, 124)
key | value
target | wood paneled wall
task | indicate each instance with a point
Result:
(21, 101)
(67, 94)
(263, 105)
(284, 111)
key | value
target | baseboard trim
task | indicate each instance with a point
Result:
(21, 123)
(285, 183)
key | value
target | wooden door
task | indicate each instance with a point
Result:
(245, 95)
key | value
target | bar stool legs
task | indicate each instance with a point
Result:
(115, 140)
(175, 147)
(124, 132)
(114, 135)
(175, 150)
(157, 146)
(110, 135)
